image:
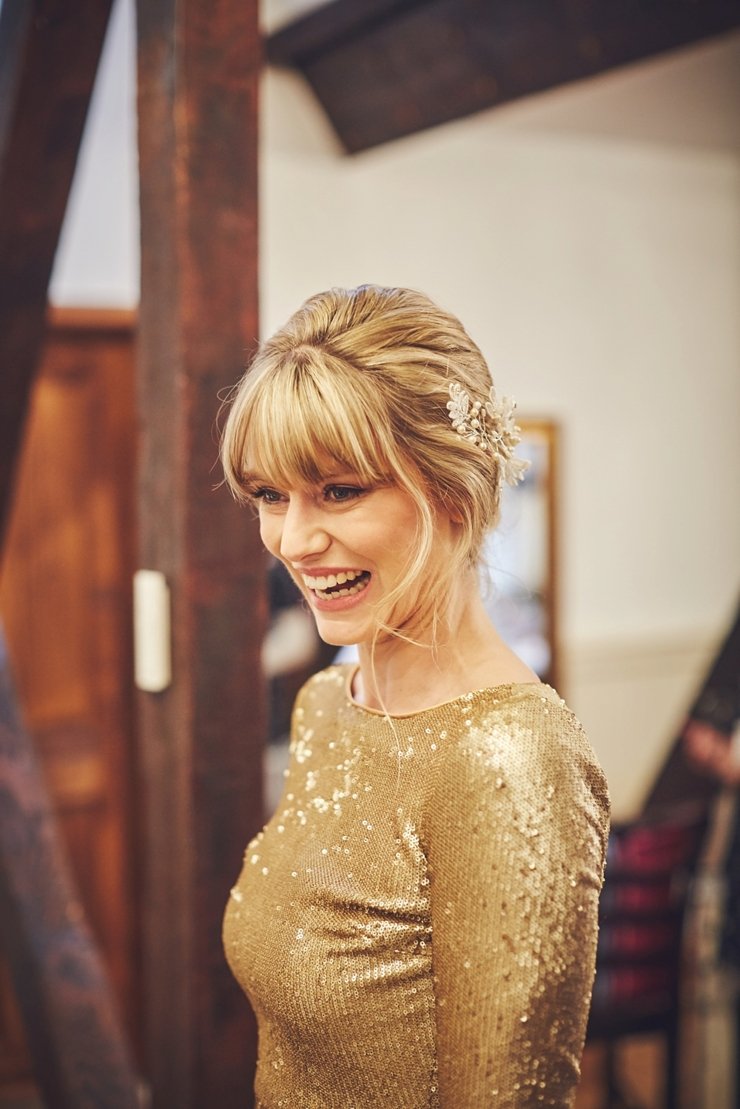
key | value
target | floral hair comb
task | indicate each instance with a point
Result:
(489, 425)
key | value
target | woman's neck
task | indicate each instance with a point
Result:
(397, 676)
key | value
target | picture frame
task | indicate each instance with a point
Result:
(519, 565)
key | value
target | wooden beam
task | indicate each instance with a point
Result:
(393, 67)
(49, 52)
(79, 1053)
(201, 739)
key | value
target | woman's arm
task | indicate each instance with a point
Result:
(516, 832)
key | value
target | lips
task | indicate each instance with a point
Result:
(345, 583)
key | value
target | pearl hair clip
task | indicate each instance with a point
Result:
(489, 425)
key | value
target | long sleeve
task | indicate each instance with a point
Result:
(515, 833)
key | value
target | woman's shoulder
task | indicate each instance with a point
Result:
(324, 687)
(531, 713)
(523, 734)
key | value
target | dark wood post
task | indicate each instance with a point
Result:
(201, 738)
(79, 1052)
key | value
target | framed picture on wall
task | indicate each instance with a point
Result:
(519, 562)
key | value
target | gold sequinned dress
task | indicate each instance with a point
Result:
(416, 925)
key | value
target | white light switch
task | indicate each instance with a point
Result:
(152, 640)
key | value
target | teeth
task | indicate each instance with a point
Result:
(320, 585)
(341, 592)
(331, 579)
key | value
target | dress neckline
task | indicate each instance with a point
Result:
(504, 691)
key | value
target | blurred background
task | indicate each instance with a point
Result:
(588, 235)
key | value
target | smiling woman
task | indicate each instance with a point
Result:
(416, 925)
(305, 414)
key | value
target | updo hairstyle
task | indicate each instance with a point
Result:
(361, 377)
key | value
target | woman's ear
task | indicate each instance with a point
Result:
(450, 511)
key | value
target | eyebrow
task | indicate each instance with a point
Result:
(250, 477)
(253, 477)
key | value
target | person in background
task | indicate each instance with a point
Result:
(710, 742)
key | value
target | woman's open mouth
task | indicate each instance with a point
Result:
(333, 586)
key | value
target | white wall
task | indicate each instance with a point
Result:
(97, 264)
(590, 240)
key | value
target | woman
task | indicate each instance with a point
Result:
(416, 926)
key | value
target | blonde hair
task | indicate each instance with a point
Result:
(361, 377)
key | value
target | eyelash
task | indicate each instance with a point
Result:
(271, 497)
(353, 491)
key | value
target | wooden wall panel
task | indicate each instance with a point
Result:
(65, 603)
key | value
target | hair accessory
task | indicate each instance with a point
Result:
(489, 425)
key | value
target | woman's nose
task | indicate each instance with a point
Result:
(303, 533)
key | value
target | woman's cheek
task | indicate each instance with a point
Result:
(270, 533)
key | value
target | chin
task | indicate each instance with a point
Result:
(336, 638)
(337, 635)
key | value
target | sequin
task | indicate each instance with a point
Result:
(417, 927)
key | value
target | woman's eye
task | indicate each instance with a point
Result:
(267, 496)
(339, 494)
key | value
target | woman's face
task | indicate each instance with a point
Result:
(347, 546)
